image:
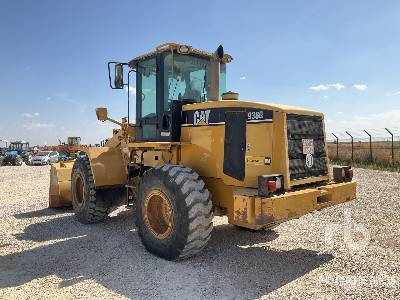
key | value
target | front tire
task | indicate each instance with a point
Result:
(91, 205)
(174, 212)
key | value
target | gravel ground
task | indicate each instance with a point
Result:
(47, 253)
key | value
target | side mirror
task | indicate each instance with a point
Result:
(102, 114)
(119, 76)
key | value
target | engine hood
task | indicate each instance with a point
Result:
(255, 105)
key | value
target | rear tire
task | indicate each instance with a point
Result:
(91, 205)
(174, 212)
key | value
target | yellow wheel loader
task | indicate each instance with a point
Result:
(195, 151)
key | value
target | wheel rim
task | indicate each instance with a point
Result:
(158, 214)
(79, 190)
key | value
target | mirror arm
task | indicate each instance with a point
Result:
(109, 71)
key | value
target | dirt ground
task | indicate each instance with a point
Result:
(46, 253)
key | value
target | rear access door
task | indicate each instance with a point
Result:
(235, 144)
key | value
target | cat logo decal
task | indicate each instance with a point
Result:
(201, 117)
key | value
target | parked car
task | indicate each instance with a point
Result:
(45, 158)
(65, 156)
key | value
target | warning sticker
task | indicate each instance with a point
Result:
(309, 160)
(308, 146)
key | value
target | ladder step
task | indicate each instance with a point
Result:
(131, 186)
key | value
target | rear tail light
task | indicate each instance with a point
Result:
(349, 173)
(342, 173)
(270, 184)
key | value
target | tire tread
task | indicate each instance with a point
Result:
(197, 201)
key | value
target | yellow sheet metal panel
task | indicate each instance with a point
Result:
(204, 152)
(243, 209)
(156, 158)
(107, 166)
(280, 159)
(276, 209)
(221, 194)
(259, 141)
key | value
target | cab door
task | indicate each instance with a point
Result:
(147, 127)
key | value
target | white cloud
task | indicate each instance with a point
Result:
(132, 90)
(325, 97)
(242, 78)
(77, 104)
(389, 119)
(360, 87)
(338, 86)
(31, 115)
(321, 87)
(34, 125)
(397, 93)
(325, 87)
(339, 112)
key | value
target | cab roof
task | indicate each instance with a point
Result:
(180, 48)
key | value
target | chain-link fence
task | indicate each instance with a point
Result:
(377, 146)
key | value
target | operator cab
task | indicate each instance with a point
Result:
(74, 141)
(171, 76)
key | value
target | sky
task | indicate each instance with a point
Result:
(338, 57)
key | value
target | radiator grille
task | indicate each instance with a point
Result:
(301, 127)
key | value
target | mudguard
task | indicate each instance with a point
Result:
(107, 166)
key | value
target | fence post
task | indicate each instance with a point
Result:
(370, 146)
(352, 145)
(337, 146)
(392, 144)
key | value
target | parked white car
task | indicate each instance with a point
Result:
(45, 158)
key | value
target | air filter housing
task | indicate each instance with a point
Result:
(230, 96)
